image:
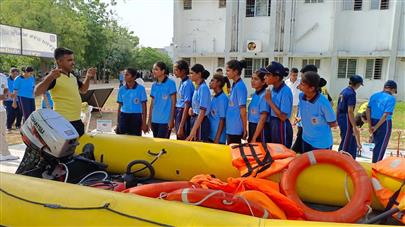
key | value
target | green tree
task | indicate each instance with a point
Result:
(145, 57)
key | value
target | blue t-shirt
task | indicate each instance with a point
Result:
(25, 86)
(283, 98)
(162, 103)
(237, 99)
(219, 104)
(257, 106)
(315, 116)
(347, 98)
(201, 99)
(131, 99)
(185, 93)
(10, 85)
(380, 103)
(50, 101)
(121, 77)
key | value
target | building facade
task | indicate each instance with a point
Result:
(342, 38)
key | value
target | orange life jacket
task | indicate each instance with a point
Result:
(260, 160)
(393, 167)
(238, 185)
(261, 199)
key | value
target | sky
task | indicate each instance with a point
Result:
(150, 20)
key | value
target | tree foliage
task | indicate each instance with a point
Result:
(88, 27)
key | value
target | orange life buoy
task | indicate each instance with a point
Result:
(260, 159)
(155, 190)
(361, 198)
(218, 199)
(393, 167)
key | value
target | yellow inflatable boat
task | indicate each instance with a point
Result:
(37, 202)
(27, 201)
(180, 160)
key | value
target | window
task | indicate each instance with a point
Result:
(221, 62)
(255, 8)
(187, 4)
(253, 64)
(313, 1)
(346, 68)
(352, 5)
(222, 3)
(316, 62)
(279, 59)
(379, 4)
(374, 68)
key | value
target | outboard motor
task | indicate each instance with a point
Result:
(51, 142)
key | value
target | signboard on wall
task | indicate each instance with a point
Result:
(33, 43)
(10, 39)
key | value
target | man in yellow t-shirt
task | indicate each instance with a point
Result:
(64, 88)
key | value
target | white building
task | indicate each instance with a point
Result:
(341, 37)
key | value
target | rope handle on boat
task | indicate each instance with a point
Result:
(106, 206)
(163, 151)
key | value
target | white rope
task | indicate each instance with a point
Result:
(247, 203)
(347, 189)
(67, 172)
(162, 195)
(370, 209)
(185, 191)
(92, 173)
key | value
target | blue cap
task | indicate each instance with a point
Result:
(356, 79)
(263, 70)
(390, 84)
(274, 68)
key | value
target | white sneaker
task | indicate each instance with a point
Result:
(8, 157)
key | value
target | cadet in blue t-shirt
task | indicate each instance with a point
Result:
(258, 110)
(317, 115)
(162, 107)
(349, 133)
(13, 114)
(47, 102)
(236, 117)
(297, 146)
(184, 96)
(379, 117)
(131, 106)
(280, 101)
(200, 104)
(219, 104)
(24, 92)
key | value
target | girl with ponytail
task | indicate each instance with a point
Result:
(183, 104)
(236, 117)
(200, 105)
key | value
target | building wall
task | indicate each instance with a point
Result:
(373, 25)
(316, 30)
(200, 30)
(257, 28)
(312, 22)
